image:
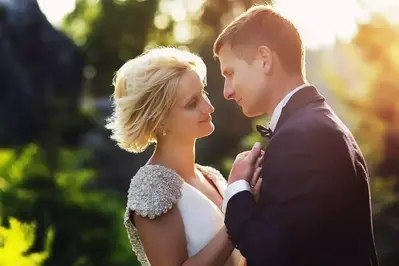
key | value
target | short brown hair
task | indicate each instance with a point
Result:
(262, 25)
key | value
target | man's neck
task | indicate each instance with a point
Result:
(282, 89)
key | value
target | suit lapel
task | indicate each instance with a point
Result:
(300, 99)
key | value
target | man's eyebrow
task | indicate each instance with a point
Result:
(226, 71)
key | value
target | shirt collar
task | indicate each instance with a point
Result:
(277, 111)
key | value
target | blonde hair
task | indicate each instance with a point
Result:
(263, 25)
(145, 89)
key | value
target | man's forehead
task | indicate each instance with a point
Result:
(225, 57)
(225, 53)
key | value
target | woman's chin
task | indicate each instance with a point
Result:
(207, 129)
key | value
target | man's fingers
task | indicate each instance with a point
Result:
(254, 153)
(245, 153)
(242, 155)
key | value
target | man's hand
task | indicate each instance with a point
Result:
(245, 163)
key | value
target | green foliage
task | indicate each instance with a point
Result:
(374, 112)
(15, 242)
(109, 33)
(88, 224)
(384, 195)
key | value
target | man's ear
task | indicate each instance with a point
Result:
(265, 55)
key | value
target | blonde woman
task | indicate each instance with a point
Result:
(174, 209)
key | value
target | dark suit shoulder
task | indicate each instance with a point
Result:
(316, 134)
(315, 118)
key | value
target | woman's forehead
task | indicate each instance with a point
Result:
(189, 84)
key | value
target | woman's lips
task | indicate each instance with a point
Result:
(209, 118)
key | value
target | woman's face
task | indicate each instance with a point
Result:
(190, 117)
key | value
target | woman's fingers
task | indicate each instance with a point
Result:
(255, 176)
(259, 161)
(257, 187)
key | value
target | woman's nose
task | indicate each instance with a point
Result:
(209, 109)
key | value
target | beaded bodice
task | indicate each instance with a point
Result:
(154, 190)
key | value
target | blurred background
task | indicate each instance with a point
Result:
(63, 183)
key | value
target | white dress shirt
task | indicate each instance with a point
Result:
(243, 185)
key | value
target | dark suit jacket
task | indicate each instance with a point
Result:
(314, 206)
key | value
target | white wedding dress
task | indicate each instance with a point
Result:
(155, 189)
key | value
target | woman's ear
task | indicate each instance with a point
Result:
(162, 131)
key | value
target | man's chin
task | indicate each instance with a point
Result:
(249, 113)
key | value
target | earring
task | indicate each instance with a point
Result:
(163, 132)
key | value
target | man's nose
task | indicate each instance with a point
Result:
(228, 91)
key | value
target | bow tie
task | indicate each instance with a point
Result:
(264, 132)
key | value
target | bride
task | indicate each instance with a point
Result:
(174, 208)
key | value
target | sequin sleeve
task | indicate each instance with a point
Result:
(211, 173)
(153, 191)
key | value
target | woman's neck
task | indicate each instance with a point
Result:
(177, 155)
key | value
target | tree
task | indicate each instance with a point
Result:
(379, 43)
(109, 33)
(88, 224)
(374, 112)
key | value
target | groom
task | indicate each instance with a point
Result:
(314, 203)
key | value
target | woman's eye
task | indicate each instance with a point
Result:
(192, 104)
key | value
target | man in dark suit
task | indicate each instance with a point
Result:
(314, 203)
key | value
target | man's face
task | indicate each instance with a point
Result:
(244, 83)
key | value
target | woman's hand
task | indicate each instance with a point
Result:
(256, 179)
